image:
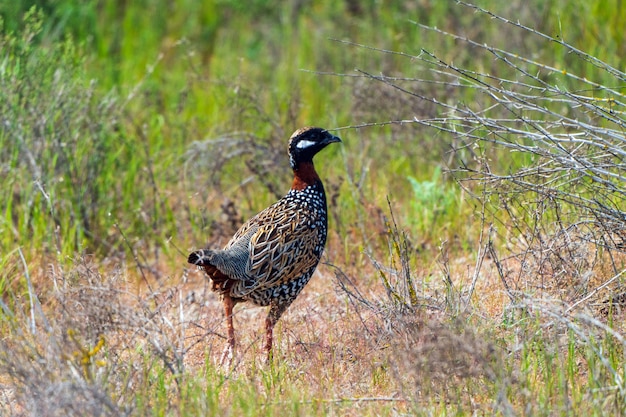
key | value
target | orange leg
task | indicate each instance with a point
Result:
(230, 348)
(276, 310)
(269, 330)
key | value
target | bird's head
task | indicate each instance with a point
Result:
(306, 142)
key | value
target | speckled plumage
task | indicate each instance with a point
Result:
(273, 255)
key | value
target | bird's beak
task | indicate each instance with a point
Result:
(332, 139)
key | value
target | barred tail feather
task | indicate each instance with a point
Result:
(200, 257)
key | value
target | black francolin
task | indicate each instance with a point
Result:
(273, 255)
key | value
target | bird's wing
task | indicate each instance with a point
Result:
(282, 248)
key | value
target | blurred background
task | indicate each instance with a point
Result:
(126, 116)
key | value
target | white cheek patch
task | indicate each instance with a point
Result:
(305, 144)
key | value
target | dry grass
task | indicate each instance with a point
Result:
(94, 339)
(360, 340)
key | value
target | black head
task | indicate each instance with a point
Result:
(306, 142)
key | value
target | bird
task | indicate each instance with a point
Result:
(270, 259)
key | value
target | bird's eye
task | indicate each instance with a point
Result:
(305, 144)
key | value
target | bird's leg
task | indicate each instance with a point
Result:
(276, 310)
(229, 352)
(269, 329)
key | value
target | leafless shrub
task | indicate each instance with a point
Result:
(80, 357)
(557, 263)
(438, 361)
(421, 332)
(543, 151)
(558, 201)
(264, 154)
(404, 293)
(431, 356)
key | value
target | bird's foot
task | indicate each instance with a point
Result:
(228, 356)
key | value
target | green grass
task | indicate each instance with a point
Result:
(125, 129)
(188, 78)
